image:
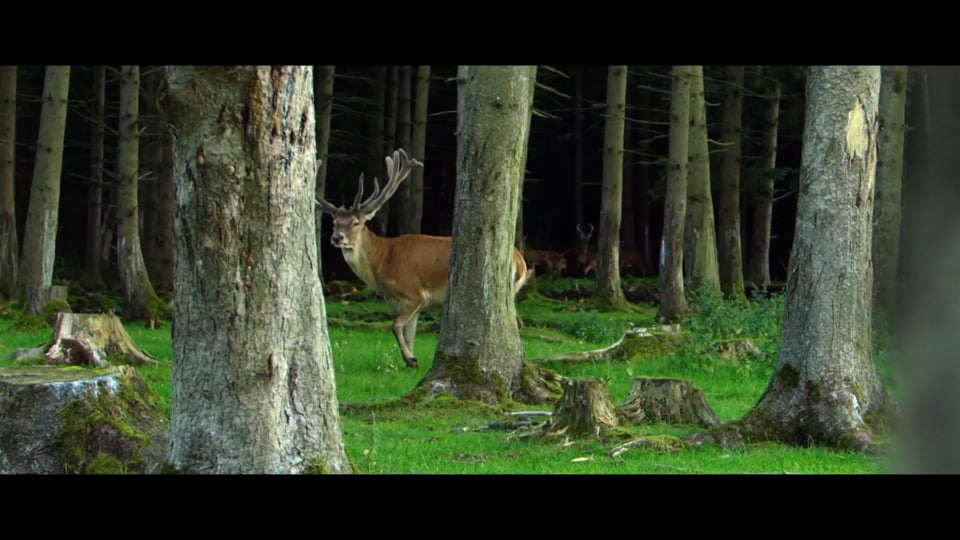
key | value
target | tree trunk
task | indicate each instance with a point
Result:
(375, 134)
(643, 188)
(628, 233)
(584, 409)
(758, 270)
(390, 129)
(699, 232)
(323, 89)
(150, 153)
(8, 210)
(92, 340)
(413, 212)
(672, 302)
(728, 226)
(825, 389)
(158, 219)
(38, 297)
(253, 383)
(139, 298)
(927, 297)
(609, 292)
(93, 253)
(886, 229)
(404, 134)
(479, 354)
(40, 229)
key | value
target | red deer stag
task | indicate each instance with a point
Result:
(583, 258)
(410, 271)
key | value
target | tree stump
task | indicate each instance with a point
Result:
(675, 401)
(92, 339)
(58, 419)
(584, 409)
(37, 297)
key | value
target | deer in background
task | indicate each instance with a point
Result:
(552, 263)
(410, 271)
(581, 256)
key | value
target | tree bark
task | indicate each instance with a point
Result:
(8, 212)
(404, 134)
(886, 229)
(375, 133)
(158, 220)
(139, 298)
(825, 389)
(40, 229)
(675, 401)
(479, 354)
(672, 301)
(584, 409)
(93, 340)
(323, 89)
(699, 230)
(758, 270)
(728, 226)
(253, 383)
(609, 292)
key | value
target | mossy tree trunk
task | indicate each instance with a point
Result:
(40, 230)
(323, 94)
(758, 269)
(253, 383)
(672, 301)
(927, 297)
(413, 211)
(886, 229)
(609, 292)
(728, 207)
(139, 298)
(93, 251)
(825, 389)
(699, 232)
(479, 354)
(8, 211)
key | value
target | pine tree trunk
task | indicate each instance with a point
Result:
(390, 129)
(404, 134)
(609, 291)
(643, 188)
(825, 389)
(699, 232)
(628, 225)
(156, 193)
(323, 94)
(375, 134)
(479, 354)
(8, 210)
(728, 227)
(139, 297)
(93, 253)
(758, 271)
(413, 211)
(886, 229)
(253, 382)
(40, 229)
(672, 301)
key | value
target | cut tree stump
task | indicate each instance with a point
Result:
(675, 401)
(37, 297)
(93, 339)
(633, 342)
(66, 419)
(584, 409)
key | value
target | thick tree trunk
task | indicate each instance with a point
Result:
(253, 384)
(479, 354)
(728, 225)
(40, 229)
(404, 134)
(672, 302)
(609, 292)
(139, 299)
(323, 94)
(38, 297)
(926, 317)
(886, 229)
(93, 252)
(699, 230)
(413, 211)
(825, 389)
(758, 271)
(8, 211)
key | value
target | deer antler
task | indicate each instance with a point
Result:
(585, 234)
(398, 168)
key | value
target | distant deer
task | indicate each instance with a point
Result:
(411, 270)
(552, 263)
(584, 259)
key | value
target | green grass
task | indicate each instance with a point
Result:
(446, 436)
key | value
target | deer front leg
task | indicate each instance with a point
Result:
(408, 314)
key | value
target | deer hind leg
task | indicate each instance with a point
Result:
(407, 318)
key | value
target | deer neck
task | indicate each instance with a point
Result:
(365, 257)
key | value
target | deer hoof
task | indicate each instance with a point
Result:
(411, 362)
